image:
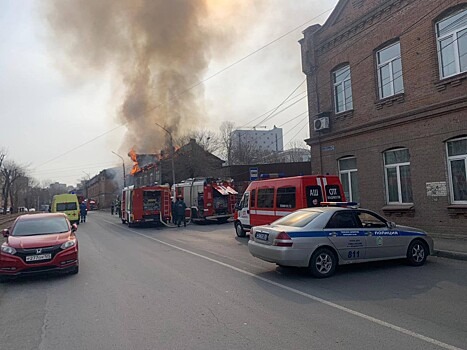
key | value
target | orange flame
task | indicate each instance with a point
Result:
(132, 155)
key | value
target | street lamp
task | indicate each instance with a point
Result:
(171, 151)
(86, 184)
(123, 164)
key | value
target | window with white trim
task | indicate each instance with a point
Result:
(451, 34)
(398, 178)
(390, 81)
(349, 179)
(342, 89)
(457, 167)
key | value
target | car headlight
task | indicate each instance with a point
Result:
(8, 250)
(68, 244)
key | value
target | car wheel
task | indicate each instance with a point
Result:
(323, 263)
(417, 253)
(239, 230)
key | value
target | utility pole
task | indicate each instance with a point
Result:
(123, 165)
(86, 184)
(171, 151)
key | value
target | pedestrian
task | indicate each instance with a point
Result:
(118, 208)
(83, 210)
(112, 206)
(180, 207)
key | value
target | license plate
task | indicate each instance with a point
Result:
(262, 236)
(38, 257)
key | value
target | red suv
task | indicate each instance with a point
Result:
(39, 243)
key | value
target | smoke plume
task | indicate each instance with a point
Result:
(157, 49)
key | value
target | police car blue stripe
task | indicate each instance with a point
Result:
(348, 233)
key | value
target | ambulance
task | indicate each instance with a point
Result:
(265, 201)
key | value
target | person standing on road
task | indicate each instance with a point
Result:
(83, 210)
(180, 207)
(112, 206)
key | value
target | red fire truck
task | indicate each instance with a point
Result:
(150, 204)
(208, 198)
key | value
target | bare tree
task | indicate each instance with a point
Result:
(10, 173)
(205, 138)
(225, 140)
(298, 151)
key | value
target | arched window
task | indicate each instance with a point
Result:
(457, 167)
(390, 80)
(342, 89)
(398, 178)
(451, 34)
(349, 178)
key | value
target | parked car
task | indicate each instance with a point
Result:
(39, 243)
(322, 238)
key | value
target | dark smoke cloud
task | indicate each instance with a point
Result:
(157, 48)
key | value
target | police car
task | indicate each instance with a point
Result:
(323, 237)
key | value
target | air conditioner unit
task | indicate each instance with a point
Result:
(321, 123)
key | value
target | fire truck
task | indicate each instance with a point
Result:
(209, 199)
(150, 204)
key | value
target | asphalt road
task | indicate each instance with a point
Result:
(198, 288)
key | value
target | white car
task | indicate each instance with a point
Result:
(323, 237)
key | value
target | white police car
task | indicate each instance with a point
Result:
(323, 237)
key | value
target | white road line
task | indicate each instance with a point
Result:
(306, 295)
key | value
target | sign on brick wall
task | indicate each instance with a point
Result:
(436, 189)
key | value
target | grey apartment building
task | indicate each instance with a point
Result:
(387, 99)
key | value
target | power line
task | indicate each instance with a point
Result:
(279, 112)
(196, 84)
(280, 104)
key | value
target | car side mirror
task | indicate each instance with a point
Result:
(5, 232)
(74, 228)
(391, 224)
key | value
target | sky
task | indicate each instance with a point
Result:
(66, 97)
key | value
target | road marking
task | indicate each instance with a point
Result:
(306, 295)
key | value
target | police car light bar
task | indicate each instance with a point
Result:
(339, 204)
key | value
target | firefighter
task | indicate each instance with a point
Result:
(118, 207)
(112, 206)
(180, 207)
(83, 210)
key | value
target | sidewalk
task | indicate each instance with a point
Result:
(450, 246)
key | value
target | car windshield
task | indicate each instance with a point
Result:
(299, 218)
(66, 206)
(40, 226)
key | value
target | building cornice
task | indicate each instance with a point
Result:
(381, 12)
(427, 112)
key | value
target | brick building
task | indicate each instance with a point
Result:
(105, 187)
(387, 95)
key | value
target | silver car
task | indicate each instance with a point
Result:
(322, 238)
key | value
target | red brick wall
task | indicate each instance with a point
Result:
(428, 113)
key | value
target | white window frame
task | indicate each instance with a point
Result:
(348, 173)
(399, 183)
(389, 63)
(451, 158)
(455, 36)
(347, 106)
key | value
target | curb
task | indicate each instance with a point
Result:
(450, 254)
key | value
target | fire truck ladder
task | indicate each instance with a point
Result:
(166, 205)
(166, 208)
